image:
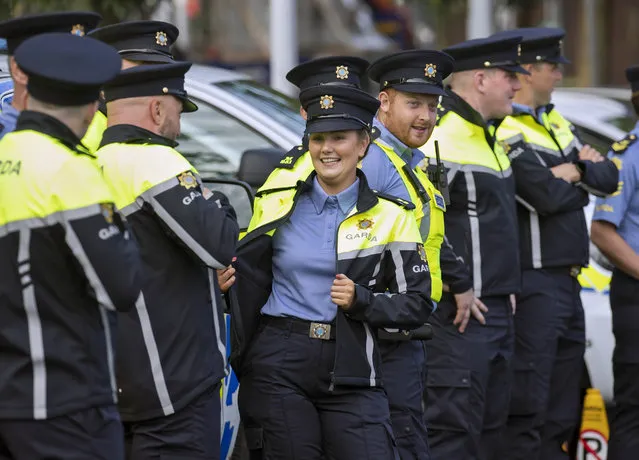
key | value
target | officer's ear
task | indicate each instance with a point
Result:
(303, 113)
(156, 110)
(16, 72)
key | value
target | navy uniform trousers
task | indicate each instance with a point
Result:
(469, 381)
(94, 433)
(403, 367)
(549, 348)
(289, 411)
(191, 433)
(624, 302)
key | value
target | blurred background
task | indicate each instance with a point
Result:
(601, 34)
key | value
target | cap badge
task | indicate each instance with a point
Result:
(341, 72)
(78, 30)
(326, 102)
(561, 45)
(430, 70)
(161, 39)
(518, 50)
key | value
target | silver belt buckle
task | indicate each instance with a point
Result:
(320, 331)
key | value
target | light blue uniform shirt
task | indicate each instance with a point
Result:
(304, 255)
(380, 171)
(8, 119)
(622, 209)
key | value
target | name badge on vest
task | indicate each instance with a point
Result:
(439, 201)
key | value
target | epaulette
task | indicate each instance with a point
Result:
(622, 145)
(290, 158)
(441, 111)
(398, 201)
(375, 133)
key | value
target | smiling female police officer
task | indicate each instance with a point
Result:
(326, 261)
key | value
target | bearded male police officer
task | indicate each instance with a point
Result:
(17, 30)
(139, 43)
(553, 172)
(172, 347)
(468, 374)
(65, 262)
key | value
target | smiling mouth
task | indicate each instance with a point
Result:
(329, 160)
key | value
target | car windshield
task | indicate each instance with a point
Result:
(281, 108)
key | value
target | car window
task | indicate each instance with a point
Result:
(213, 141)
(276, 105)
(596, 140)
(624, 123)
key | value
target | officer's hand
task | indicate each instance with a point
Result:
(464, 302)
(343, 292)
(567, 172)
(226, 278)
(587, 153)
(476, 309)
(513, 302)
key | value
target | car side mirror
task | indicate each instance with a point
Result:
(239, 194)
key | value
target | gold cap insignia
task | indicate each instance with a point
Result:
(341, 72)
(518, 50)
(107, 212)
(165, 90)
(187, 180)
(430, 70)
(78, 30)
(486, 63)
(161, 39)
(365, 224)
(326, 102)
(422, 252)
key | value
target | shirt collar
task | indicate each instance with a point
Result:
(346, 199)
(10, 111)
(405, 152)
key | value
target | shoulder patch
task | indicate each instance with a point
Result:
(290, 158)
(439, 200)
(623, 144)
(398, 201)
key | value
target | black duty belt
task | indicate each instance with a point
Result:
(315, 330)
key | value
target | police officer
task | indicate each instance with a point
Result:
(615, 231)
(172, 347)
(553, 174)
(468, 374)
(410, 87)
(17, 30)
(65, 262)
(139, 43)
(321, 397)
